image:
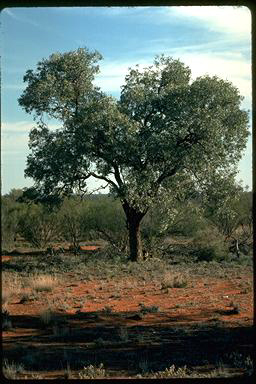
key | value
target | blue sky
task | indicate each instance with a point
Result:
(210, 40)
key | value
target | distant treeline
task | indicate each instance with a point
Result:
(216, 230)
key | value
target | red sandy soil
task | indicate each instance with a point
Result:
(89, 247)
(5, 258)
(207, 302)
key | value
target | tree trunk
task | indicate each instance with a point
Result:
(133, 219)
(136, 253)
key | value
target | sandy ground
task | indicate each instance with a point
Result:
(103, 321)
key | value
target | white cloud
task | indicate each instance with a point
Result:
(228, 66)
(12, 87)
(112, 74)
(15, 136)
(23, 19)
(227, 19)
(22, 127)
(14, 145)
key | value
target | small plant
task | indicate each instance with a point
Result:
(240, 361)
(107, 310)
(60, 330)
(34, 376)
(152, 309)
(68, 373)
(140, 338)
(11, 370)
(172, 372)
(143, 366)
(6, 325)
(6, 296)
(179, 281)
(44, 283)
(123, 334)
(6, 321)
(92, 372)
(26, 297)
(46, 317)
(170, 281)
(11, 285)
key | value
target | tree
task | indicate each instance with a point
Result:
(164, 133)
(230, 209)
(38, 225)
(71, 216)
(11, 213)
(106, 219)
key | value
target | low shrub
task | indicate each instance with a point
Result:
(44, 283)
(107, 310)
(209, 245)
(173, 281)
(11, 370)
(171, 373)
(47, 317)
(92, 372)
(6, 320)
(151, 309)
(123, 334)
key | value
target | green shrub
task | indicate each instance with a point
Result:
(209, 245)
(151, 309)
(11, 213)
(38, 226)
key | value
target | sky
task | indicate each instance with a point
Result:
(209, 39)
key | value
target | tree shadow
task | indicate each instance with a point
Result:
(121, 343)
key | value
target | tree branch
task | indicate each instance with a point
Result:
(103, 178)
(117, 175)
(166, 174)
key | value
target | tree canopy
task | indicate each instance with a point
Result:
(166, 134)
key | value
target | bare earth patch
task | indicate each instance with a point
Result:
(132, 326)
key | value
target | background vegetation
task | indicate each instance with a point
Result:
(213, 232)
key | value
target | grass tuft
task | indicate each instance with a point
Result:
(11, 370)
(44, 283)
(92, 372)
(176, 281)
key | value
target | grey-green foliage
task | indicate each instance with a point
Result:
(106, 220)
(38, 225)
(72, 221)
(229, 207)
(95, 217)
(164, 131)
(11, 213)
(209, 245)
(186, 218)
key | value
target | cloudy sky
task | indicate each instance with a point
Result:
(210, 40)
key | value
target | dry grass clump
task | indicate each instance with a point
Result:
(6, 296)
(11, 370)
(92, 372)
(44, 283)
(11, 285)
(47, 317)
(172, 372)
(6, 320)
(173, 281)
